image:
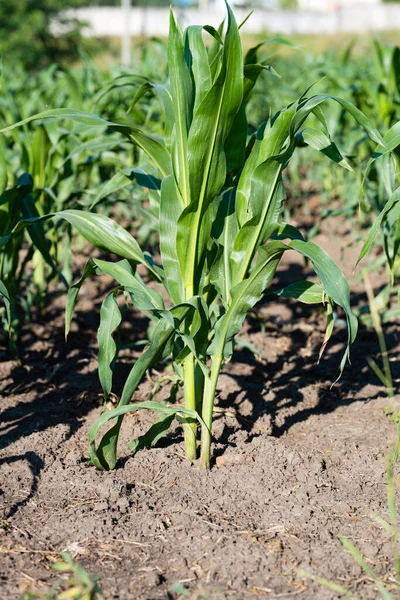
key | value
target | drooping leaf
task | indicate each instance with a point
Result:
(320, 141)
(145, 298)
(391, 205)
(153, 435)
(303, 291)
(334, 285)
(104, 456)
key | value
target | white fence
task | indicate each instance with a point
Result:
(150, 21)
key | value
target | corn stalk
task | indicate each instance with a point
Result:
(221, 231)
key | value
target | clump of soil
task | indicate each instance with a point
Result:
(296, 464)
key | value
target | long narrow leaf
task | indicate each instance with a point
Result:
(110, 319)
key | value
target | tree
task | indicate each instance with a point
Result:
(26, 35)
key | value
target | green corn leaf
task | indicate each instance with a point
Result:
(308, 105)
(392, 137)
(196, 340)
(37, 234)
(104, 233)
(101, 231)
(303, 291)
(153, 435)
(164, 94)
(110, 319)
(145, 180)
(143, 89)
(387, 163)
(330, 322)
(334, 285)
(149, 144)
(251, 56)
(331, 585)
(120, 81)
(286, 231)
(235, 145)
(321, 142)
(265, 205)
(104, 456)
(171, 207)
(391, 205)
(225, 228)
(62, 113)
(153, 147)
(199, 65)
(247, 292)
(118, 182)
(40, 148)
(182, 101)
(3, 169)
(268, 145)
(72, 296)
(7, 302)
(145, 298)
(356, 554)
(207, 168)
(244, 296)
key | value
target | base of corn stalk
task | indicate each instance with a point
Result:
(189, 429)
(210, 385)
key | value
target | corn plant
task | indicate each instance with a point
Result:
(220, 227)
(43, 171)
(74, 583)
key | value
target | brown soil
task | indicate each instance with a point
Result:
(296, 464)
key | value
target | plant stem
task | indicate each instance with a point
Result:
(210, 384)
(189, 429)
(189, 376)
(387, 379)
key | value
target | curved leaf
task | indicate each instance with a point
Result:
(104, 233)
(153, 435)
(105, 455)
(303, 291)
(334, 284)
(391, 204)
(99, 457)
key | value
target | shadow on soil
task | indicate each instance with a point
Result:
(58, 382)
(35, 464)
(292, 372)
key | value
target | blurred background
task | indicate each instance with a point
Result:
(36, 33)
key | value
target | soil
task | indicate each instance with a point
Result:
(296, 463)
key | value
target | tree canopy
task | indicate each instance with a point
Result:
(26, 35)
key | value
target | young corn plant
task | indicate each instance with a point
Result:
(221, 233)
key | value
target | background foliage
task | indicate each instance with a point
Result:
(25, 33)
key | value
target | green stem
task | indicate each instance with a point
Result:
(210, 385)
(376, 320)
(189, 376)
(189, 429)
